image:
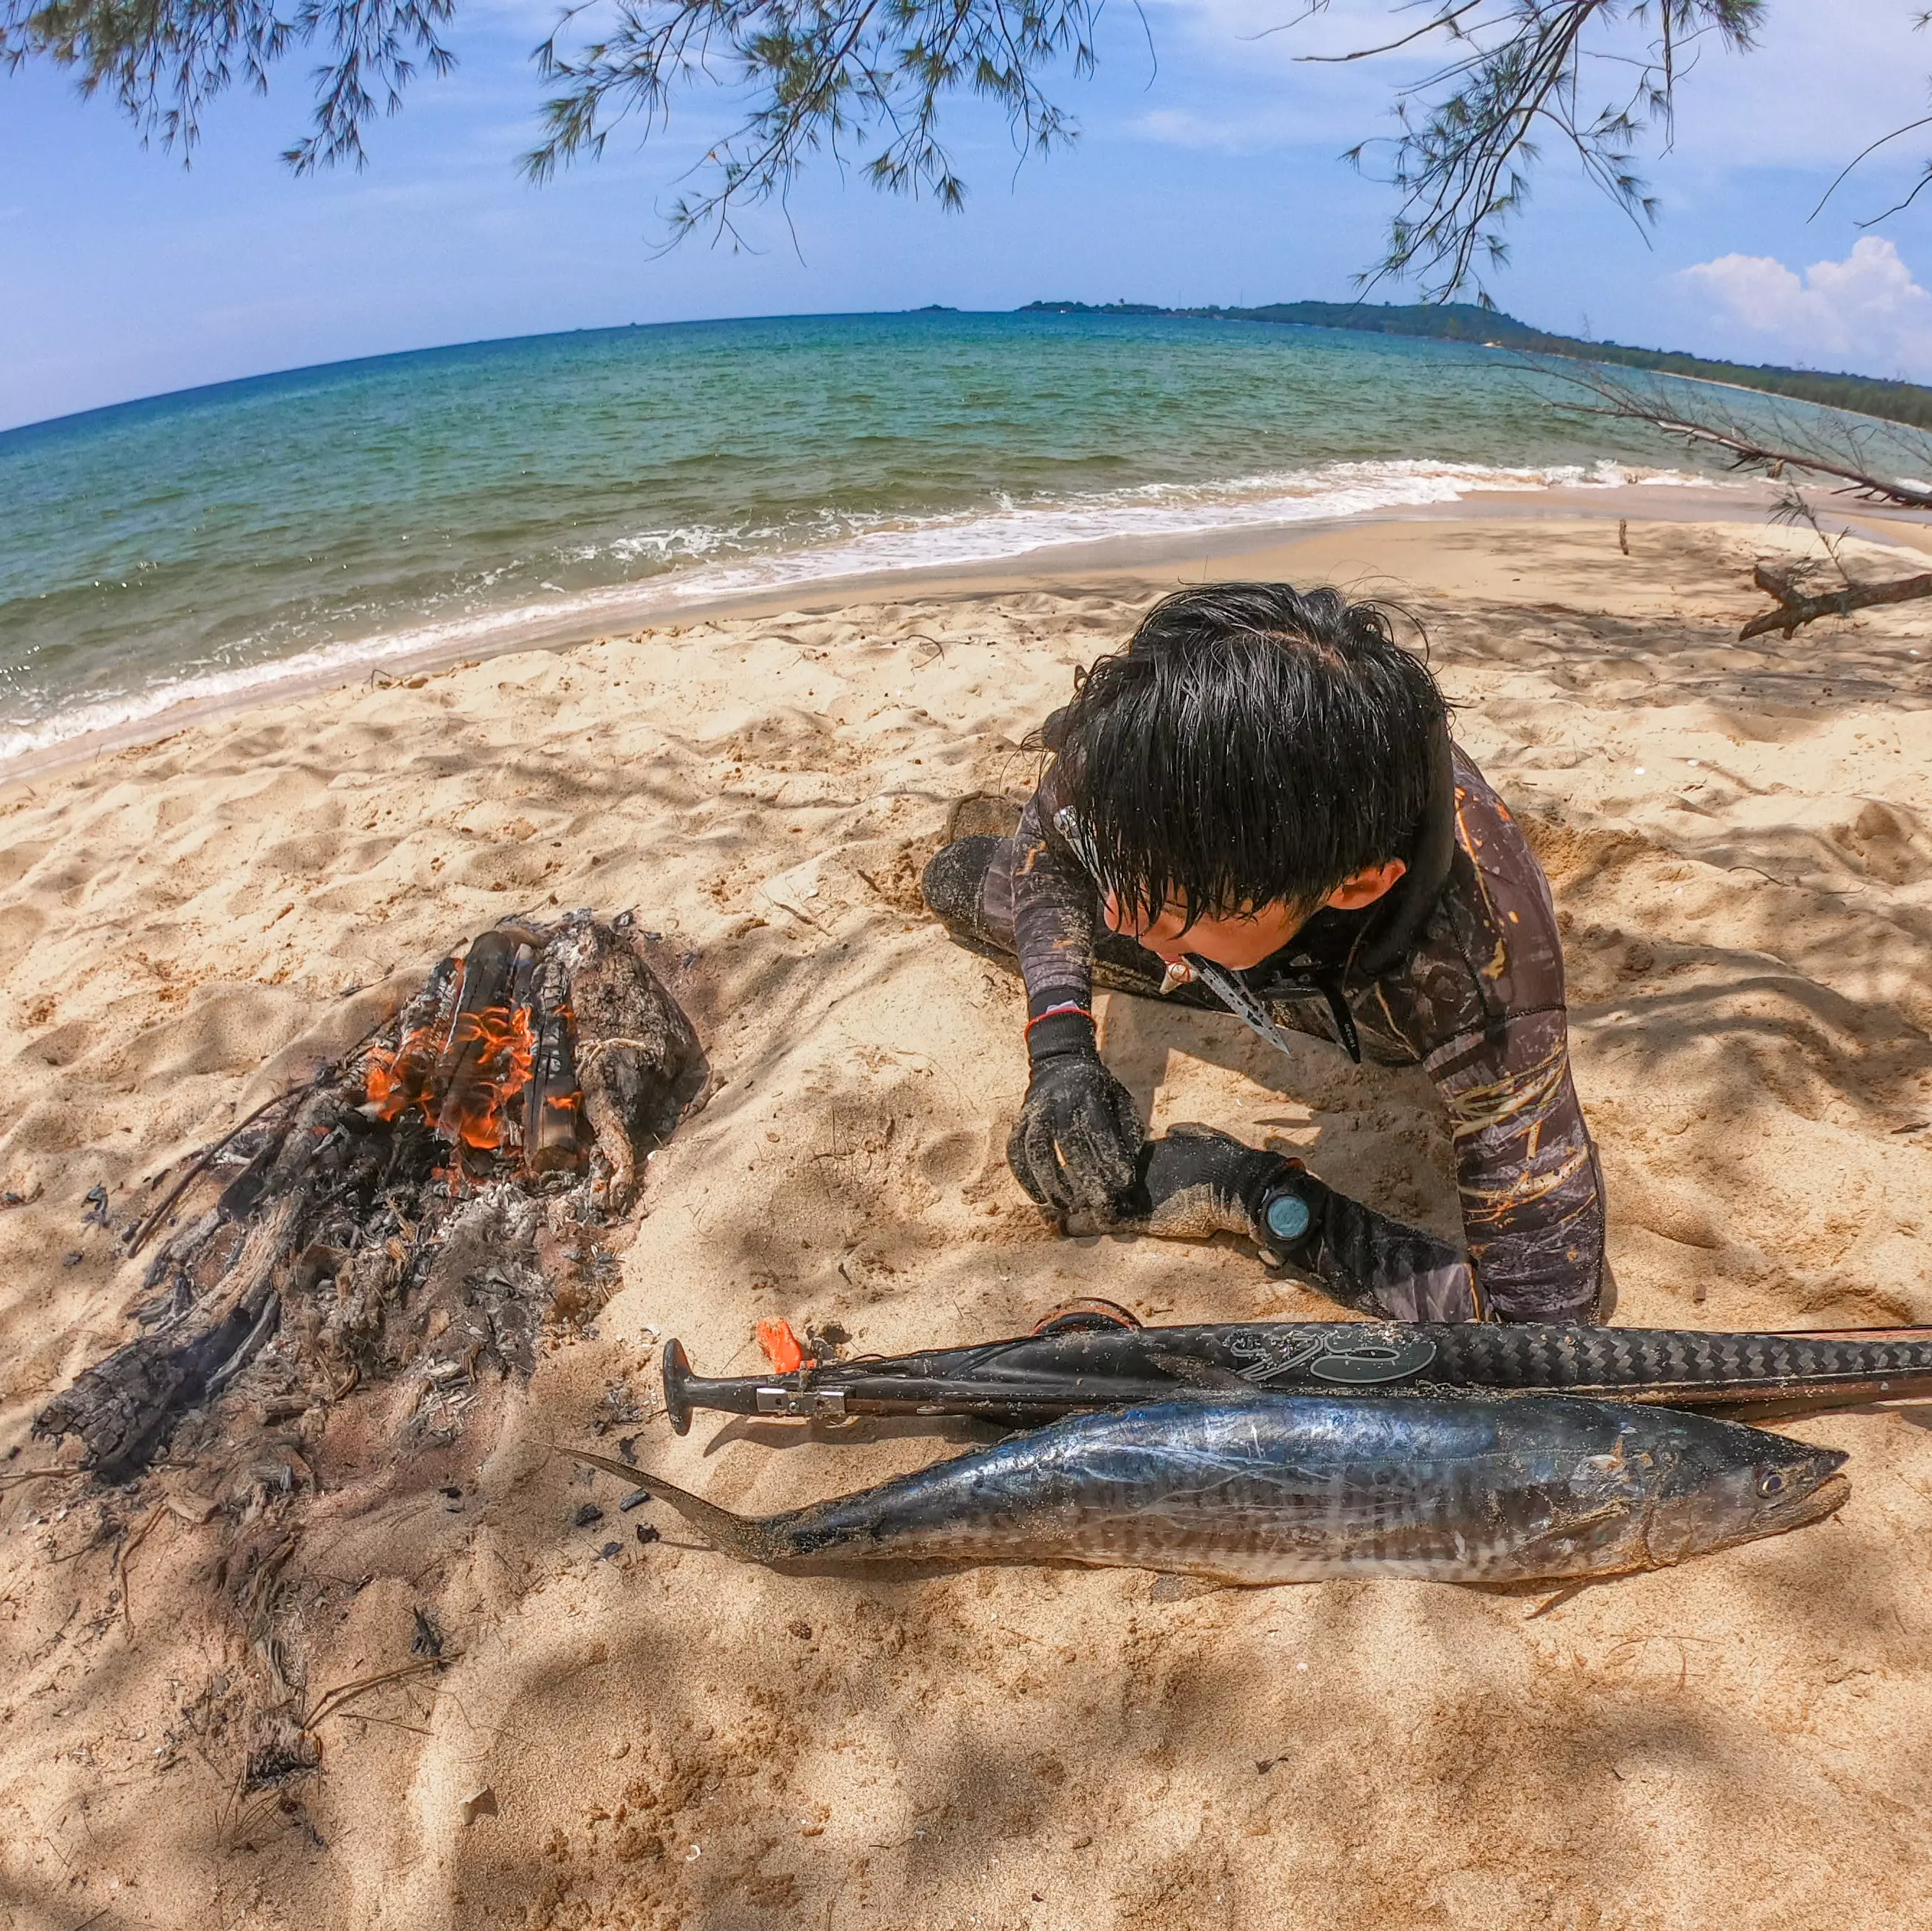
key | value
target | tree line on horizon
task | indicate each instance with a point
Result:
(865, 84)
(1889, 399)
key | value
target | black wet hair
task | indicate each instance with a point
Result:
(1254, 743)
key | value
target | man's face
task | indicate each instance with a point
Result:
(1240, 939)
(1237, 940)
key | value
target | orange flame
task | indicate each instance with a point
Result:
(398, 1080)
(507, 1050)
(494, 1072)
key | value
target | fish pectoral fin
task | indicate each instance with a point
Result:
(1563, 1537)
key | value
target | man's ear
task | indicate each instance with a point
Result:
(1367, 886)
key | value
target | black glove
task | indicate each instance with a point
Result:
(1197, 1182)
(1074, 1145)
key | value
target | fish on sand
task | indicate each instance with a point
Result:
(1304, 1488)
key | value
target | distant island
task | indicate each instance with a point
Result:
(1490, 328)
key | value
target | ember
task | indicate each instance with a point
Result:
(460, 1167)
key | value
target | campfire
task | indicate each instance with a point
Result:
(425, 1205)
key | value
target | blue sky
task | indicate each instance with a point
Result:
(1213, 177)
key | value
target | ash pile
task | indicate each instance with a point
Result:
(423, 1210)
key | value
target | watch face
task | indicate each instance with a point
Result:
(1287, 1217)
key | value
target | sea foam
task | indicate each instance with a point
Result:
(853, 545)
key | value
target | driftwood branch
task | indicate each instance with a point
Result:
(1840, 453)
(1690, 411)
(1795, 608)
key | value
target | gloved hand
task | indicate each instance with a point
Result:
(1196, 1181)
(1074, 1145)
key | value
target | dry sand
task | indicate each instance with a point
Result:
(1740, 838)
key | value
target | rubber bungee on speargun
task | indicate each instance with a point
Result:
(1097, 1357)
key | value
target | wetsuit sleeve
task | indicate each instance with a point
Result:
(1054, 909)
(1365, 1260)
(1531, 1190)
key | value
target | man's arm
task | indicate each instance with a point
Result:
(1072, 1147)
(1053, 911)
(1527, 1172)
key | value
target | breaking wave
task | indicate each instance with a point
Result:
(690, 565)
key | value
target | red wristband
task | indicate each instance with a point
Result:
(1060, 1012)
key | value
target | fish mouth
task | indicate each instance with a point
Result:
(1830, 1495)
(1812, 1489)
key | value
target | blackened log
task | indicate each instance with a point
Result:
(522, 978)
(486, 984)
(638, 1061)
(125, 1409)
(399, 1081)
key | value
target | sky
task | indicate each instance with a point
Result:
(1208, 169)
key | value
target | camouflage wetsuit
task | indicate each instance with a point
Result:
(1458, 969)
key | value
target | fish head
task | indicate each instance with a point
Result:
(1727, 1484)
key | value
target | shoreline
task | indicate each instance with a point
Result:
(1107, 562)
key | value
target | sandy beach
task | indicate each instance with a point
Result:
(1739, 837)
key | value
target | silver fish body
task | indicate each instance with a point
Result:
(1302, 1488)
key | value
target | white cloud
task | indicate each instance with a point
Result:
(1223, 132)
(1866, 313)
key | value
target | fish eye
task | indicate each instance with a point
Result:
(1771, 1482)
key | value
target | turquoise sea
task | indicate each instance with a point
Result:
(218, 540)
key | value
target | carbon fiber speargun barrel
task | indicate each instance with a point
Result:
(1069, 1368)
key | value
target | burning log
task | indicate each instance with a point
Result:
(554, 1106)
(397, 1079)
(478, 1069)
(515, 1096)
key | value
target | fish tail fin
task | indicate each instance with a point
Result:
(746, 1537)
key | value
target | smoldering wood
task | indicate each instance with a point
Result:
(486, 986)
(357, 1234)
(639, 1065)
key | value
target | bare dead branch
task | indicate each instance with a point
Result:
(1672, 405)
(1834, 446)
(1794, 608)
(1864, 153)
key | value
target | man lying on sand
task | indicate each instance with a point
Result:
(1256, 805)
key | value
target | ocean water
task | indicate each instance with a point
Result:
(220, 539)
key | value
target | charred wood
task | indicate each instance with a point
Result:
(464, 1083)
(553, 1112)
(639, 1063)
(124, 1409)
(421, 1206)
